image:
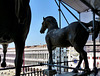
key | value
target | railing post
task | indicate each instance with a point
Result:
(25, 71)
(31, 71)
(37, 72)
(28, 71)
(34, 71)
(67, 65)
(40, 72)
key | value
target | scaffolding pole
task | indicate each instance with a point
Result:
(94, 44)
(60, 27)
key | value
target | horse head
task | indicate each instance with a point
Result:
(48, 22)
(44, 26)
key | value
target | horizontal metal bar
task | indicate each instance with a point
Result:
(65, 62)
(14, 67)
(7, 68)
(61, 66)
(93, 51)
(31, 66)
(92, 45)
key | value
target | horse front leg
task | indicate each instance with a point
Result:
(50, 56)
(3, 64)
(19, 55)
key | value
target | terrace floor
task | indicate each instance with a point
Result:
(76, 74)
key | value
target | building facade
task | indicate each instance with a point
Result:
(33, 55)
(72, 56)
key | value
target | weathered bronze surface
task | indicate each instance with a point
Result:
(15, 17)
(73, 35)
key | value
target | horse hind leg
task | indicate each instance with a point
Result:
(84, 56)
(3, 64)
(78, 66)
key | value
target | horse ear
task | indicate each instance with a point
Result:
(43, 18)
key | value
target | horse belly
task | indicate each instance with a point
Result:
(5, 41)
(60, 43)
(5, 38)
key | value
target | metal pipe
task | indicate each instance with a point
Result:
(62, 66)
(88, 30)
(62, 13)
(22, 67)
(94, 37)
(60, 27)
(94, 48)
(64, 62)
(59, 14)
(92, 45)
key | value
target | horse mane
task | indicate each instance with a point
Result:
(52, 20)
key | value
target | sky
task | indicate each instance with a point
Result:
(40, 9)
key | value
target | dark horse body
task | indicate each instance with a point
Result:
(72, 35)
(13, 30)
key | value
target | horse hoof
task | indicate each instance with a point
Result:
(75, 71)
(88, 71)
(3, 64)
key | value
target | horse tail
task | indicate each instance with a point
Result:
(90, 24)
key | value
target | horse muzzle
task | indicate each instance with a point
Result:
(41, 31)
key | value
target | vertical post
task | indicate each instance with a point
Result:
(59, 13)
(60, 27)
(40, 72)
(37, 72)
(67, 65)
(28, 71)
(31, 71)
(94, 48)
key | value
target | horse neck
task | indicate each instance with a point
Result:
(51, 27)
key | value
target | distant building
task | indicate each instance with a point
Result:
(67, 54)
(56, 57)
(33, 55)
(90, 50)
(70, 54)
(39, 53)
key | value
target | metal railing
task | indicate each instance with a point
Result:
(31, 71)
(25, 71)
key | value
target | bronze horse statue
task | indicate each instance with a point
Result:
(15, 18)
(73, 35)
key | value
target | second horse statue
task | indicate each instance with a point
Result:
(73, 35)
